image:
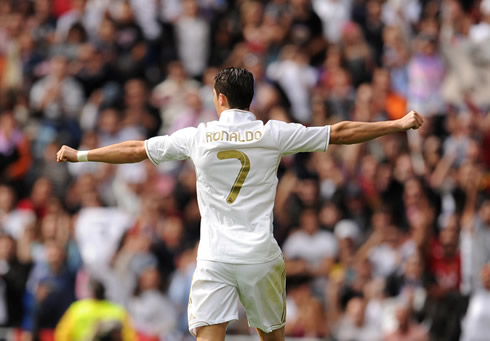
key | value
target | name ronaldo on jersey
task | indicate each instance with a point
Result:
(222, 135)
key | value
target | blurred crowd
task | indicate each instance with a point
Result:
(389, 240)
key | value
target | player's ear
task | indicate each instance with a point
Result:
(222, 100)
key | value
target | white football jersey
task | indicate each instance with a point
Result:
(236, 160)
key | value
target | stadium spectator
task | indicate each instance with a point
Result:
(407, 329)
(152, 312)
(12, 219)
(192, 38)
(169, 96)
(15, 154)
(305, 312)
(355, 325)
(308, 250)
(478, 311)
(477, 233)
(95, 318)
(50, 289)
(296, 78)
(13, 278)
(57, 95)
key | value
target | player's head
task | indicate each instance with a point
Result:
(234, 88)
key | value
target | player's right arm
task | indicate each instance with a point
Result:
(157, 149)
(124, 152)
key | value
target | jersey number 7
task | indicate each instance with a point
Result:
(242, 174)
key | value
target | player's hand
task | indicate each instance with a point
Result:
(67, 154)
(412, 120)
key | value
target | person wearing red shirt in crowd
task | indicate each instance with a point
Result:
(445, 257)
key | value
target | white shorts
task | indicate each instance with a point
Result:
(217, 287)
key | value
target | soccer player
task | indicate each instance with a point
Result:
(236, 159)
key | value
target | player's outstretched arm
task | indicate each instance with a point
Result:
(348, 132)
(124, 152)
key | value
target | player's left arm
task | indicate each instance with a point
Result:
(349, 132)
(124, 152)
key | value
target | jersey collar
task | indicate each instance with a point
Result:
(236, 116)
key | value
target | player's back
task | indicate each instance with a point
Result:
(236, 166)
(236, 160)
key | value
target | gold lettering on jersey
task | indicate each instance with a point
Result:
(246, 136)
(240, 137)
(249, 136)
(223, 133)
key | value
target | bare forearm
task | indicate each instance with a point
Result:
(124, 152)
(357, 132)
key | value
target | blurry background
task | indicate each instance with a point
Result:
(386, 240)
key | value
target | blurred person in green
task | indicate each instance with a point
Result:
(95, 319)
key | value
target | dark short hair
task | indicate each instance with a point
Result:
(98, 289)
(237, 84)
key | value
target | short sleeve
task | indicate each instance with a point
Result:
(170, 147)
(296, 138)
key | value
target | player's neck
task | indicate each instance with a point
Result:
(225, 108)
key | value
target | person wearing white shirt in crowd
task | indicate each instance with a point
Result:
(57, 95)
(13, 221)
(193, 34)
(296, 77)
(236, 160)
(476, 324)
(334, 14)
(309, 250)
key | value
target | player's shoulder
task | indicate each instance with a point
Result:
(281, 127)
(282, 124)
(276, 123)
(187, 131)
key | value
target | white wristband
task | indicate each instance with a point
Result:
(82, 156)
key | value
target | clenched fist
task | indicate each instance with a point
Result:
(412, 120)
(67, 154)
